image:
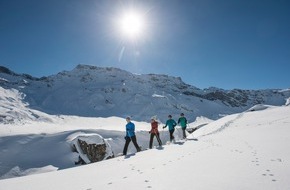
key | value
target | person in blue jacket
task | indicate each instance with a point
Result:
(130, 136)
(171, 126)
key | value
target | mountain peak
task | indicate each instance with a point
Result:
(6, 70)
(83, 67)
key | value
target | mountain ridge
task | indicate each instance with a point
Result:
(107, 91)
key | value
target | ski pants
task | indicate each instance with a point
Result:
(171, 134)
(151, 139)
(128, 140)
(183, 132)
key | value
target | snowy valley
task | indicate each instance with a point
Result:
(242, 139)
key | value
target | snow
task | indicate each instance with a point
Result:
(248, 150)
(287, 102)
(3, 79)
(158, 96)
(17, 172)
(200, 122)
(285, 90)
(259, 107)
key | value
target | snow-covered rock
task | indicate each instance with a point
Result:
(91, 147)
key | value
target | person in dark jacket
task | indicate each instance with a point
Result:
(130, 136)
(171, 127)
(154, 132)
(183, 123)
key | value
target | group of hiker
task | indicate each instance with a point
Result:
(170, 123)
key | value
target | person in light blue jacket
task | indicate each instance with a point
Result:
(171, 127)
(130, 136)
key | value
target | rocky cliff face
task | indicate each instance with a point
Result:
(94, 91)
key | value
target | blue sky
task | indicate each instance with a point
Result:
(222, 43)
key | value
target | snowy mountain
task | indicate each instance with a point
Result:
(103, 92)
(248, 149)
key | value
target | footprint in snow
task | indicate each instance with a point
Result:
(269, 174)
(276, 160)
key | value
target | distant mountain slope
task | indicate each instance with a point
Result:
(14, 110)
(103, 92)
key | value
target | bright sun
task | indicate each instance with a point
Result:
(132, 25)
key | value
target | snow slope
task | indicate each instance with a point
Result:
(249, 150)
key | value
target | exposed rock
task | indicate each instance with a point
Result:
(91, 148)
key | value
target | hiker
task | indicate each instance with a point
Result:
(154, 132)
(171, 124)
(130, 135)
(183, 122)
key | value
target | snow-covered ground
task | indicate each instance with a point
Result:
(249, 150)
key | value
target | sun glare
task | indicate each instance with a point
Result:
(131, 24)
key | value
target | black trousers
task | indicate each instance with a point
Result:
(171, 134)
(183, 132)
(151, 139)
(128, 140)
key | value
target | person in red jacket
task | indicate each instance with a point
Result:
(154, 132)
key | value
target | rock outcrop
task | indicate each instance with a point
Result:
(91, 148)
